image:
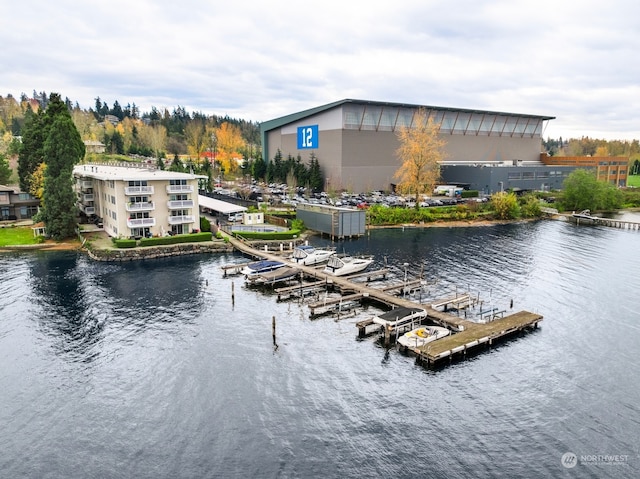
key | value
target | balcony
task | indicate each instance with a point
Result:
(86, 184)
(180, 220)
(138, 190)
(179, 204)
(86, 197)
(141, 206)
(87, 210)
(140, 222)
(172, 189)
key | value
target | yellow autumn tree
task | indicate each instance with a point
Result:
(36, 184)
(196, 138)
(229, 144)
(421, 151)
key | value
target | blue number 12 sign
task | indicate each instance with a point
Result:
(307, 137)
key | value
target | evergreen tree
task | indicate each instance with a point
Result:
(316, 182)
(258, 169)
(63, 148)
(31, 151)
(5, 170)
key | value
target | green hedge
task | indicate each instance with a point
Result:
(188, 238)
(125, 243)
(470, 194)
(261, 235)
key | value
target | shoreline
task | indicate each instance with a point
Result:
(75, 244)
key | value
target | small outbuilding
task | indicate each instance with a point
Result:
(333, 221)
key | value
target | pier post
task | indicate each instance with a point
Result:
(273, 331)
(233, 293)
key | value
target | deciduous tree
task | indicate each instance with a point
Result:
(421, 150)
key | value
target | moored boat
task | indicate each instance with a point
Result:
(423, 335)
(261, 267)
(345, 265)
(399, 317)
(309, 255)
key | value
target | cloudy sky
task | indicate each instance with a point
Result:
(259, 60)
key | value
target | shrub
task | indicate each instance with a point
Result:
(125, 243)
(505, 205)
(186, 238)
(469, 194)
(205, 224)
(263, 235)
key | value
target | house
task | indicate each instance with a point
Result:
(93, 146)
(17, 205)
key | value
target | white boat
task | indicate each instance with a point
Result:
(261, 267)
(423, 335)
(283, 273)
(341, 266)
(399, 317)
(585, 217)
(308, 255)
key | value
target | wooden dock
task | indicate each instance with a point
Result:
(475, 335)
(466, 335)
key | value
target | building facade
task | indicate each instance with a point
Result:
(356, 141)
(133, 201)
(17, 205)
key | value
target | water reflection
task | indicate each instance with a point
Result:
(79, 300)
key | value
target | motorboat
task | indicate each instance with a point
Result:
(309, 255)
(585, 217)
(345, 265)
(263, 266)
(423, 335)
(399, 317)
(283, 273)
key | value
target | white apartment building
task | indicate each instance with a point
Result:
(137, 200)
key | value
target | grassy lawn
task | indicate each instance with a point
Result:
(633, 180)
(16, 236)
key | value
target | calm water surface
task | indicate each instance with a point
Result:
(150, 370)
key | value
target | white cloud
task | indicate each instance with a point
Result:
(262, 60)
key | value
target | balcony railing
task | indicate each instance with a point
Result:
(179, 189)
(138, 190)
(179, 204)
(179, 220)
(140, 222)
(87, 210)
(141, 206)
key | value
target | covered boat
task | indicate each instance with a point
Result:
(261, 267)
(400, 317)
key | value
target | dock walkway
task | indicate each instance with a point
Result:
(467, 334)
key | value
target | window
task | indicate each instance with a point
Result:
(24, 196)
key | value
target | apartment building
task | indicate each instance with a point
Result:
(137, 200)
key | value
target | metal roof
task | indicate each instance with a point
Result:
(219, 206)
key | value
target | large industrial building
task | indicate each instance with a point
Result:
(356, 141)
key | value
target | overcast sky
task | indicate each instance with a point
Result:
(259, 60)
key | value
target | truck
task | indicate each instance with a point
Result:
(451, 191)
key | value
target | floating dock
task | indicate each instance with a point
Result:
(466, 335)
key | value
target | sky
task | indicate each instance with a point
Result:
(260, 60)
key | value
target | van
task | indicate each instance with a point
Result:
(233, 217)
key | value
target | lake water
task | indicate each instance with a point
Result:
(150, 370)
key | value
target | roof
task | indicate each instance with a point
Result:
(220, 206)
(284, 120)
(128, 173)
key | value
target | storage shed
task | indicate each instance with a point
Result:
(333, 221)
